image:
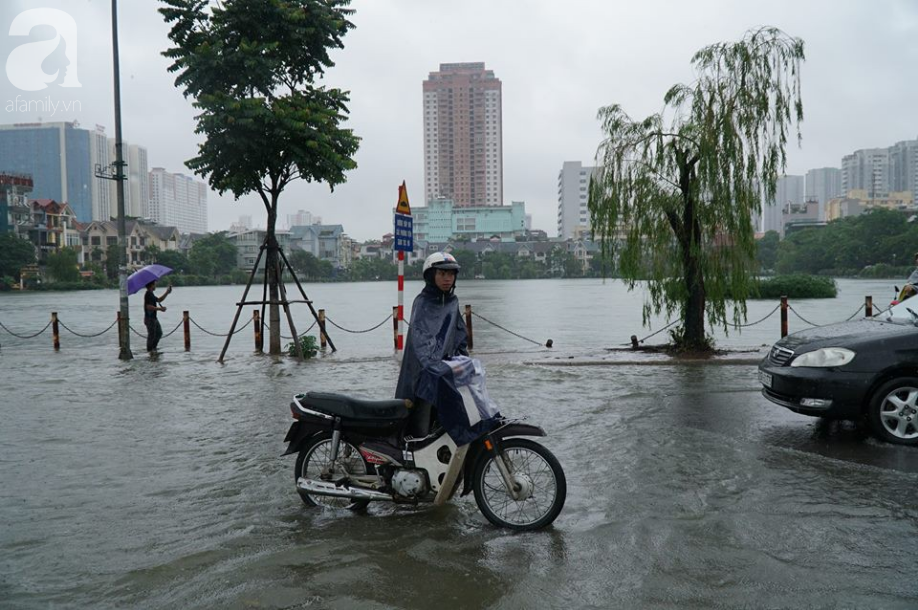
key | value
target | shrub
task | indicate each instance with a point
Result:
(797, 286)
(307, 343)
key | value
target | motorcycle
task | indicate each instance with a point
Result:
(352, 451)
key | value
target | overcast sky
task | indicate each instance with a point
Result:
(559, 62)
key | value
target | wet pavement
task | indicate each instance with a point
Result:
(158, 483)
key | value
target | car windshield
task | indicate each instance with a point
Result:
(905, 313)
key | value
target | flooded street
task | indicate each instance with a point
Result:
(158, 483)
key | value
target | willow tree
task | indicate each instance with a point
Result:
(251, 67)
(674, 195)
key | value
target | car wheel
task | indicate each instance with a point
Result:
(893, 411)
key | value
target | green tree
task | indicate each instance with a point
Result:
(212, 255)
(62, 265)
(305, 264)
(675, 192)
(767, 250)
(113, 257)
(15, 253)
(174, 259)
(251, 67)
(150, 254)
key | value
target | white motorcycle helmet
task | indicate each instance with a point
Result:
(439, 260)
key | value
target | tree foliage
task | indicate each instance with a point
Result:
(15, 253)
(252, 67)
(63, 265)
(212, 255)
(675, 192)
(845, 247)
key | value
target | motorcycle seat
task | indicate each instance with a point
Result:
(348, 407)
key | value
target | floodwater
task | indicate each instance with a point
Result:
(158, 482)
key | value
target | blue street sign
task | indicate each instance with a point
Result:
(404, 233)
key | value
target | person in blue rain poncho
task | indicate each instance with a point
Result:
(436, 333)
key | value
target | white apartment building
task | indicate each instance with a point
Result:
(573, 194)
(822, 185)
(788, 192)
(177, 200)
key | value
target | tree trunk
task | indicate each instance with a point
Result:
(271, 260)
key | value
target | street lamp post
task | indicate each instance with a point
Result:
(124, 328)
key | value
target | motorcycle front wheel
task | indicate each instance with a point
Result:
(541, 481)
(315, 456)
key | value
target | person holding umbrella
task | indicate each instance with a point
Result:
(151, 305)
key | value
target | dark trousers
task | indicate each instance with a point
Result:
(154, 333)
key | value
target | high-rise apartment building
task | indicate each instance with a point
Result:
(573, 194)
(463, 145)
(788, 192)
(137, 187)
(302, 218)
(821, 185)
(866, 170)
(177, 201)
(61, 158)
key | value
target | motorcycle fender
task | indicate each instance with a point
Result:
(300, 431)
(477, 450)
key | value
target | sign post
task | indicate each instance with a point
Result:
(404, 242)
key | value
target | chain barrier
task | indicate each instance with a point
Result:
(506, 329)
(25, 336)
(235, 332)
(878, 310)
(657, 332)
(73, 332)
(801, 317)
(357, 332)
(314, 322)
(173, 330)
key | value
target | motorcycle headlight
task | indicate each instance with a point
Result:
(825, 357)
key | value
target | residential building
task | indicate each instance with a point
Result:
(301, 218)
(800, 215)
(141, 236)
(137, 186)
(325, 242)
(15, 211)
(866, 170)
(62, 159)
(177, 200)
(441, 220)
(248, 244)
(463, 142)
(53, 227)
(822, 185)
(903, 167)
(573, 194)
(789, 191)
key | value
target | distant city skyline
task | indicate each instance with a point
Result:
(557, 68)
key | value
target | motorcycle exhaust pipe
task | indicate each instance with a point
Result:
(323, 488)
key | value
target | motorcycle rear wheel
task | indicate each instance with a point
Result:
(541, 477)
(315, 456)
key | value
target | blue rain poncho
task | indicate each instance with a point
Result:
(436, 332)
(457, 388)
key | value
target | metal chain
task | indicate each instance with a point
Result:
(506, 329)
(657, 332)
(801, 317)
(386, 319)
(777, 307)
(173, 330)
(87, 336)
(235, 332)
(302, 333)
(25, 336)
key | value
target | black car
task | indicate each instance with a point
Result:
(866, 368)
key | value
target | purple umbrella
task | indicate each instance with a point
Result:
(145, 275)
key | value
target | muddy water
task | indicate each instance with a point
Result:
(157, 483)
